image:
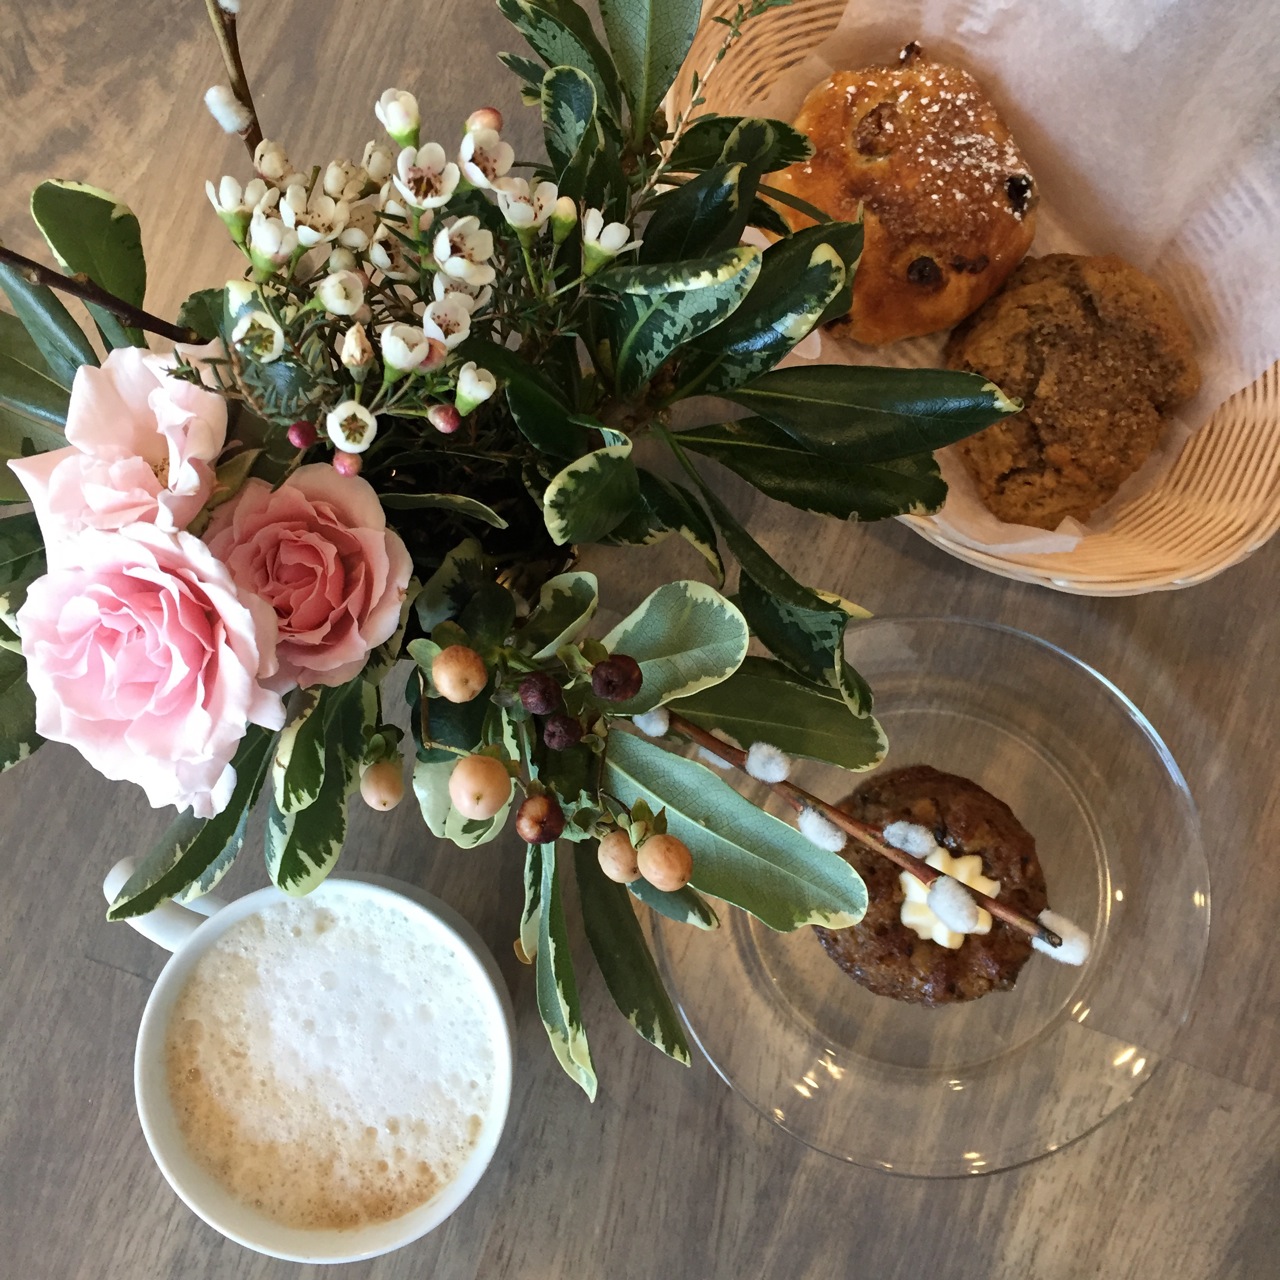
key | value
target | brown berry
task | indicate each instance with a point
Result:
(616, 678)
(665, 862)
(561, 732)
(479, 786)
(618, 857)
(458, 673)
(540, 693)
(540, 820)
(382, 784)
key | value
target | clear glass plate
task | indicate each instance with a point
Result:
(976, 1087)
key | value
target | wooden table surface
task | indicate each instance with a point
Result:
(668, 1173)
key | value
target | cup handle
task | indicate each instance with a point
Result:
(169, 925)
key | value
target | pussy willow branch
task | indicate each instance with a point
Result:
(862, 832)
(224, 30)
(80, 286)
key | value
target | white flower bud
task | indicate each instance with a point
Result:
(448, 320)
(341, 259)
(564, 217)
(258, 335)
(271, 243)
(271, 162)
(378, 161)
(351, 426)
(475, 386)
(343, 180)
(601, 243)
(230, 113)
(342, 293)
(766, 763)
(355, 350)
(485, 118)
(397, 111)
(404, 349)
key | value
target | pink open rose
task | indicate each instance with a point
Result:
(144, 656)
(318, 550)
(140, 448)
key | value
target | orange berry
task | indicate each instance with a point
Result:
(382, 784)
(618, 857)
(479, 786)
(665, 862)
(458, 673)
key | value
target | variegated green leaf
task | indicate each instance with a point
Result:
(22, 561)
(798, 279)
(446, 592)
(686, 636)
(568, 114)
(560, 33)
(458, 502)
(649, 40)
(740, 853)
(531, 913)
(666, 508)
(92, 233)
(765, 456)
(28, 389)
(704, 143)
(302, 847)
(659, 308)
(591, 495)
(191, 846)
(626, 964)
(566, 603)
(297, 769)
(859, 413)
(763, 701)
(383, 658)
(557, 986)
(18, 736)
(684, 906)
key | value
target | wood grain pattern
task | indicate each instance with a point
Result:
(668, 1174)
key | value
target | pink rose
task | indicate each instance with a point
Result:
(318, 550)
(144, 656)
(140, 445)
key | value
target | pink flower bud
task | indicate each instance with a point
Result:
(445, 418)
(485, 118)
(302, 435)
(437, 354)
(346, 464)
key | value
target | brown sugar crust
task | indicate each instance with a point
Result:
(1099, 355)
(886, 957)
(949, 203)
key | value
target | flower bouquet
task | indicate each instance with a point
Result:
(364, 468)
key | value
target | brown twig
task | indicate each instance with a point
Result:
(862, 832)
(224, 30)
(80, 286)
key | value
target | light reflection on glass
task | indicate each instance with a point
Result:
(1137, 1066)
(1119, 895)
(1124, 1055)
(955, 1085)
(1199, 898)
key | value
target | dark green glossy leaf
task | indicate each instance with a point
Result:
(650, 40)
(740, 853)
(763, 701)
(767, 218)
(192, 845)
(51, 326)
(704, 142)
(544, 421)
(556, 984)
(18, 736)
(22, 561)
(703, 216)
(625, 961)
(204, 311)
(489, 617)
(457, 502)
(666, 508)
(92, 233)
(765, 456)
(659, 308)
(866, 414)
(26, 385)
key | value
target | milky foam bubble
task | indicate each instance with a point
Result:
(332, 1066)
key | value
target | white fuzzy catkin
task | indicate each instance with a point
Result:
(910, 837)
(1076, 943)
(766, 763)
(229, 6)
(230, 113)
(655, 723)
(815, 828)
(953, 904)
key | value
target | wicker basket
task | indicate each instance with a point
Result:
(1215, 505)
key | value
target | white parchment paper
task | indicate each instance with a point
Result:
(1153, 130)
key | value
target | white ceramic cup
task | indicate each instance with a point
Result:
(189, 932)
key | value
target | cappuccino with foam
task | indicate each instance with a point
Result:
(332, 1066)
